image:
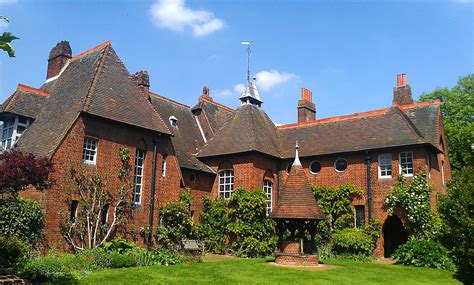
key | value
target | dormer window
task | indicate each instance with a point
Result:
(173, 121)
(12, 129)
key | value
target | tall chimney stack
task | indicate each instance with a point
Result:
(306, 107)
(206, 94)
(142, 79)
(402, 92)
(58, 57)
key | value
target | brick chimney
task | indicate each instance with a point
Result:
(206, 94)
(142, 79)
(402, 92)
(58, 57)
(306, 107)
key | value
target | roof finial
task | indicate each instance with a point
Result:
(248, 44)
(297, 158)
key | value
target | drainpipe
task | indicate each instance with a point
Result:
(278, 179)
(152, 195)
(368, 162)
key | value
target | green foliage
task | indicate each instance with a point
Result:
(177, 223)
(239, 225)
(457, 108)
(21, 218)
(49, 268)
(214, 221)
(336, 204)
(456, 210)
(13, 254)
(352, 241)
(414, 200)
(5, 40)
(120, 245)
(373, 230)
(423, 253)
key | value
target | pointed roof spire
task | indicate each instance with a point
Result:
(297, 158)
(250, 94)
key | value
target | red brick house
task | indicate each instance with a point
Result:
(90, 106)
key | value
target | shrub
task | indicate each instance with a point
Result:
(456, 209)
(119, 244)
(177, 223)
(21, 218)
(423, 253)
(352, 242)
(13, 254)
(414, 200)
(49, 268)
(336, 204)
(239, 225)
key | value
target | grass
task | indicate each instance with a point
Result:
(259, 271)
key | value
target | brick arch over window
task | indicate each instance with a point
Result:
(268, 175)
(225, 165)
(141, 144)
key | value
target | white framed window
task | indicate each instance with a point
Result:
(226, 183)
(405, 162)
(340, 165)
(315, 167)
(138, 176)
(267, 188)
(385, 165)
(11, 130)
(89, 151)
(163, 165)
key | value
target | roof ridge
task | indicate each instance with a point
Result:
(87, 99)
(219, 105)
(169, 100)
(36, 91)
(76, 57)
(336, 119)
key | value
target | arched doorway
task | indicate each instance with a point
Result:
(394, 235)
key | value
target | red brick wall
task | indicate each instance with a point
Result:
(112, 136)
(199, 189)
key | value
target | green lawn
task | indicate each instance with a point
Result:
(259, 271)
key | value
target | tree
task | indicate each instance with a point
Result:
(457, 108)
(456, 209)
(90, 228)
(20, 170)
(6, 38)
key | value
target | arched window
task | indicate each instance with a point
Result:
(267, 188)
(226, 183)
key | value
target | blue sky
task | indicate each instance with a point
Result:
(346, 52)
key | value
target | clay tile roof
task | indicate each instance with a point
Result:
(296, 199)
(250, 129)
(25, 101)
(94, 82)
(371, 130)
(186, 138)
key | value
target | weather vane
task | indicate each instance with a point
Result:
(248, 44)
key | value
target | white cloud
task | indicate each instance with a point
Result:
(239, 88)
(266, 80)
(223, 93)
(174, 15)
(3, 25)
(6, 2)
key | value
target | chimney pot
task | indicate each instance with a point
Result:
(58, 57)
